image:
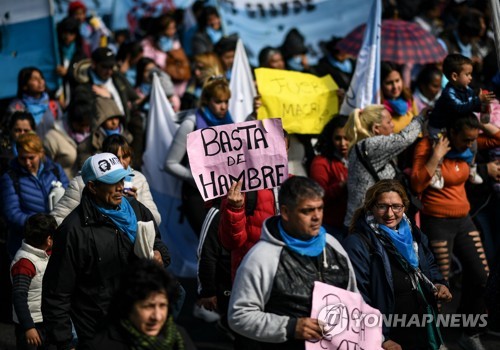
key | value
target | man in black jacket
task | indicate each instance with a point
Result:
(92, 247)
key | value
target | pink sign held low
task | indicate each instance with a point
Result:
(347, 322)
(253, 152)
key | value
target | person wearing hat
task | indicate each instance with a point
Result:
(225, 49)
(92, 29)
(336, 63)
(92, 248)
(99, 77)
(294, 52)
(109, 120)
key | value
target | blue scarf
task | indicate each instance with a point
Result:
(465, 50)
(214, 35)
(403, 241)
(68, 51)
(131, 75)
(295, 63)
(398, 105)
(345, 67)
(124, 218)
(466, 155)
(165, 43)
(311, 247)
(205, 118)
(85, 30)
(37, 106)
(116, 131)
(96, 80)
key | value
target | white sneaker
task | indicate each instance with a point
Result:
(204, 314)
(437, 180)
(474, 176)
(472, 342)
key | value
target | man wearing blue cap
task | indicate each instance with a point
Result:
(92, 248)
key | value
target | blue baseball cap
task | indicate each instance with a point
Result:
(104, 167)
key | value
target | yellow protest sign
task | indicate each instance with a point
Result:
(303, 101)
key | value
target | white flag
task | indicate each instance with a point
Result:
(159, 136)
(241, 86)
(365, 83)
(165, 188)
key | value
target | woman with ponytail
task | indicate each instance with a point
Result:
(213, 111)
(373, 146)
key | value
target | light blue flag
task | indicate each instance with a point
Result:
(265, 23)
(365, 84)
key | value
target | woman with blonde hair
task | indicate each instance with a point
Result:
(373, 145)
(26, 185)
(213, 111)
(204, 65)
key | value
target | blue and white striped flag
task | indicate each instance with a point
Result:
(365, 83)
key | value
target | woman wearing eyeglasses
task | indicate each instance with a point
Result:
(395, 269)
(213, 111)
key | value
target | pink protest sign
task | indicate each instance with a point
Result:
(253, 152)
(348, 323)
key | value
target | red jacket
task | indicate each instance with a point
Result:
(332, 176)
(239, 232)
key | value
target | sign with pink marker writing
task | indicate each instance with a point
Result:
(347, 322)
(253, 152)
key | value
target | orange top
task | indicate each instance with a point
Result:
(449, 202)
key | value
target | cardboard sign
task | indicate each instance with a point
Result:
(253, 152)
(304, 102)
(347, 322)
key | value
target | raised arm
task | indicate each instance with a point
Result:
(381, 148)
(177, 152)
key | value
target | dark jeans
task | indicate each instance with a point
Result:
(452, 236)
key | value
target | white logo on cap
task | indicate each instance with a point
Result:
(105, 163)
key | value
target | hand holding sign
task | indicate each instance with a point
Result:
(234, 197)
(308, 329)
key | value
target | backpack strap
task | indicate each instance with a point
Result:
(362, 156)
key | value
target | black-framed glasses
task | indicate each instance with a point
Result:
(396, 208)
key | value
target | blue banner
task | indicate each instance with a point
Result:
(27, 38)
(266, 22)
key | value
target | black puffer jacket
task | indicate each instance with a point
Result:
(88, 257)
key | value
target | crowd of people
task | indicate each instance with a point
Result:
(396, 201)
